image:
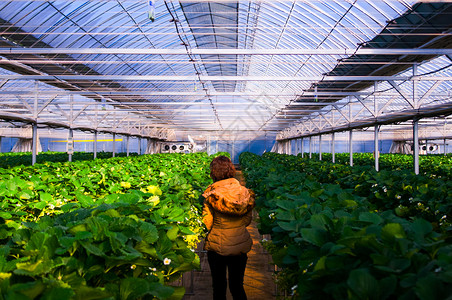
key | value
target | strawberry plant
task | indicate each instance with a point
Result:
(332, 241)
(119, 228)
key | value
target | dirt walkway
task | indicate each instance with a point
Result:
(259, 284)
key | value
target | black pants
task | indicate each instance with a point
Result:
(236, 270)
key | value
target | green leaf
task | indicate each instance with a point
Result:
(135, 288)
(46, 197)
(84, 200)
(392, 231)
(25, 195)
(89, 293)
(58, 293)
(428, 288)
(33, 269)
(5, 215)
(387, 286)
(149, 232)
(30, 289)
(370, 218)
(363, 284)
(421, 227)
(288, 205)
(82, 235)
(92, 249)
(40, 205)
(69, 206)
(178, 294)
(320, 265)
(172, 233)
(288, 226)
(313, 236)
(321, 221)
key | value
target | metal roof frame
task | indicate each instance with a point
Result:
(285, 65)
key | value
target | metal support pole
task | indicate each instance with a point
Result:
(376, 152)
(127, 145)
(416, 145)
(114, 145)
(216, 146)
(34, 147)
(333, 150)
(302, 148)
(445, 147)
(310, 147)
(233, 150)
(34, 142)
(139, 146)
(71, 139)
(320, 147)
(95, 145)
(350, 146)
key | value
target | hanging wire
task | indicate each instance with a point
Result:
(192, 59)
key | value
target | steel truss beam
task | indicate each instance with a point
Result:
(392, 118)
(214, 51)
(223, 78)
(58, 124)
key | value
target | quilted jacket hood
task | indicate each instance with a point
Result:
(228, 196)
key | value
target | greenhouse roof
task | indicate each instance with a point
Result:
(234, 69)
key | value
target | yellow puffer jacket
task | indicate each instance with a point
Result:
(227, 211)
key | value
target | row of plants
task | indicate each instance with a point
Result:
(432, 164)
(337, 232)
(13, 159)
(119, 228)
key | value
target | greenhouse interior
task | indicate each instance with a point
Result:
(337, 114)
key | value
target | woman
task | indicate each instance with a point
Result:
(227, 211)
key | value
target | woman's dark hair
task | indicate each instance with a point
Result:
(221, 168)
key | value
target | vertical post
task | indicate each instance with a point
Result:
(114, 145)
(139, 146)
(377, 129)
(95, 144)
(376, 154)
(298, 146)
(310, 147)
(320, 147)
(350, 146)
(216, 146)
(34, 143)
(332, 147)
(70, 140)
(445, 147)
(415, 84)
(350, 134)
(302, 150)
(127, 145)
(233, 149)
(416, 145)
(416, 125)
